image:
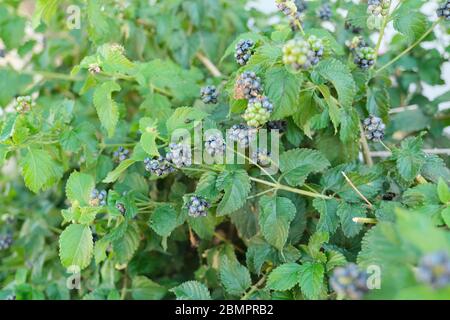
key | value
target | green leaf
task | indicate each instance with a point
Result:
(378, 102)
(284, 277)
(297, 164)
(115, 174)
(282, 88)
(234, 276)
(191, 290)
(236, 185)
(410, 23)
(329, 39)
(45, 10)
(311, 279)
(315, 244)
(148, 143)
(106, 107)
(78, 188)
(39, 169)
(164, 220)
(446, 216)
(443, 191)
(348, 211)
(410, 158)
(184, 118)
(206, 186)
(339, 75)
(8, 127)
(76, 246)
(275, 217)
(306, 110)
(126, 246)
(142, 288)
(329, 220)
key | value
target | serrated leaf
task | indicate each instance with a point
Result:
(409, 158)
(236, 185)
(45, 10)
(78, 188)
(328, 221)
(184, 118)
(297, 164)
(115, 174)
(329, 39)
(443, 191)
(378, 102)
(142, 288)
(275, 218)
(234, 277)
(106, 107)
(284, 277)
(164, 220)
(206, 185)
(8, 127)
(311, 279)
(148, 143)
(191, 290)
(410, 23)
(244, 36)
(126, 246)
(446, 216)
(348, 211)
(76, 246)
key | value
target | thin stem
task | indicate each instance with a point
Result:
(208, 64)
(365, 220)
(365, 147)
(385, 154)
(261, 193)
(254, 288)
(299, 25)
(51, 75)
(356, 190)
(380, 36)
(385, 146)
(123, 293)
(409, 48)
(222, 238)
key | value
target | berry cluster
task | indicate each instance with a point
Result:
(179, 155)
(302, 54)
(243, 51)
(24, 104)
(378, 7)
(301, 5)
(261, 157)
(209, 94)
(121, 154)
(197, 207)
(374, 128)
(242, 134)
(121, 207)
(354, 29)
(357, 42)
(6, 241)
(279, 125)
(159, 166)
(94, 68)
(324, 12)
(349, 282)
(288, 7)
(215, 145)
(444, 10)
(364, 57)
(434, 269)
(98, 198)
(248, 86)
(258, 111)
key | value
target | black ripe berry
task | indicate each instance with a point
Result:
(374, 128)
(434, 269)
(349, 282)
(354, 29)
(121, 154)
(364, 57)
(261, 157)
(248, 86)
(197, 206)
(215, 145)
(209, 94)
(279, 125)
(158, 166)
(242, 134)
(98, 198)
(6, 241)
(179, 155)
(243, 51)
(444, 10)
(121, 207)
(324, 12)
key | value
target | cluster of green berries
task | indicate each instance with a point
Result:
(243, 51)
(261, 157)
(324, 12)
(197, 206)
(353, 29)
(158, 166)
(248, 86)
(364, 57)
(98, 198)
(215, 145)
(179, 155)
(24, 104)
(209, 94)
(444, 10)
(302, 54)
(258, 111)
(121, 207)
(6, 241)
(378, 7)
(288, 7)
(242, 134)
(374, 128)
(279, 125)
(434, 269)
(349, 282)
(121, 154)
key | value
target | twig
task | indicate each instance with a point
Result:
(222, 238)
(401, 109)
(254, 288)
(365, 220)
(386, 154)
(357, 191)
(365, 147)
(208, 64)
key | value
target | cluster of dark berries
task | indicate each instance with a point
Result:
(243, 51)
(179, 155)
(349, 282)
(24, 104)
(215, 145)
(434, 269)
(94, 68)
(374, 128)
(279, 125)
(121, 154)
(302, 54)
(248, 86)
(242, 134)
(121, 207)
(355, 43)
(6, 241)
(353, 29)
(258, 111)
(364, 57)
(324, 12)
(197, 207)
(261, 157)
(98, 198)
(288, 7)
(444, 10)
(159, 166)
(209, 94)
(301, 5)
